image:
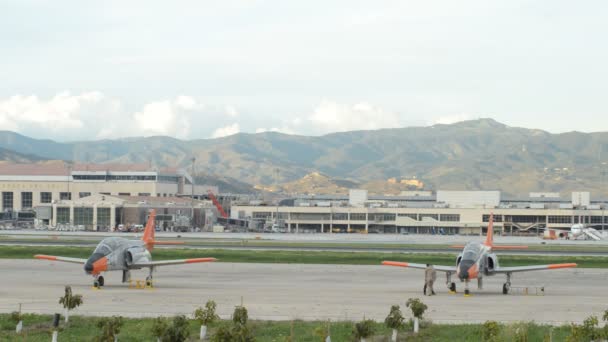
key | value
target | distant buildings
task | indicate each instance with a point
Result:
(55, 193)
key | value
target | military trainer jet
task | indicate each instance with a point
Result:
(119, 254)
(478, 260)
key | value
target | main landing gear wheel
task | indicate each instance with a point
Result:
(505, 288)
(149, 281)
(453, 287)
(100, 280)
(466, 292)
(96, 284)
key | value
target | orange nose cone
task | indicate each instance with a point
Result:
(100, 265)
(473, 271)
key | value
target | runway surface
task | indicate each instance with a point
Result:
(308, 292)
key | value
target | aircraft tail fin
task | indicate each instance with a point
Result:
(490, 235)
(148, 237)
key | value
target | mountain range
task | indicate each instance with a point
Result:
(471, 155)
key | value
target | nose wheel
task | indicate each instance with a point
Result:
(149, 282)
(507, 286)
(98, 282)
(451, 285)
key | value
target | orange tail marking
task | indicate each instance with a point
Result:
(148, 237)
(490, 236)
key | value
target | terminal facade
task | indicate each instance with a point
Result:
(92, 195)
(443, 212)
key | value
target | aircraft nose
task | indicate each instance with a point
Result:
(89, 265)
(463, 269)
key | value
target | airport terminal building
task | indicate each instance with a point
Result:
(92, 195)
(447, 212)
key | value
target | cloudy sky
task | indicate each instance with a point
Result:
(72, 70)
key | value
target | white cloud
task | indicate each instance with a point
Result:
(334, 117)
(226, 131)
(451, 119)
(61, 112)
(93, 115)
(283, 129)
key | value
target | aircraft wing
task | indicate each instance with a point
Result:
(172, 262)
(60, 258)
(534, 268)
(420, 266)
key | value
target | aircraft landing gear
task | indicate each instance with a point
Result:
(149, 282)
(98, 282)
(466, 288)
(507, 286)
(451, 285)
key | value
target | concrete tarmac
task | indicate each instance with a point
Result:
(308, 292)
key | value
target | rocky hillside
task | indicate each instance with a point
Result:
(477, 154)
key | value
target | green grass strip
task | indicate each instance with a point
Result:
(38, 328)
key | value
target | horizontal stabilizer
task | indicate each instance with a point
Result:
(168, 242)
(496, 247)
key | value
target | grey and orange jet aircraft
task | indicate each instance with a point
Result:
(478, 260)
(120, 254)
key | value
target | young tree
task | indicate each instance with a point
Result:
(110, 328)
(159, 328)
(323, 332)
(206, 316)
(364, 329)
(394, 321)
(178, 330)
(18, 319)
(240, 315)
(69, 302)
(418, 308)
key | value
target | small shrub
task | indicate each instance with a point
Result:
(240, 315)
(321, 332)
(178, 330)
(207, 315)
(490, 331)
(418, 307)
(363, 329)
(222, 334)
(110, 328)
(395, 318)
(159, 327)
(16, 316)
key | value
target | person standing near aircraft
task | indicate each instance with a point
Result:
(429, 279)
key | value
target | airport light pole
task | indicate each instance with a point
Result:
(192, 194)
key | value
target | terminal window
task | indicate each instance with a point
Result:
(63, 215)
(26, 200)
(357, 217)
(103, 217)
(84, 194)
(449, 217)
(65, 196)
(124, 194)
(83, 216)
(46, 197)
(143, 194)
(7, 200)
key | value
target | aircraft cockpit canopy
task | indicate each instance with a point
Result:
(471, 251)
(107, 246)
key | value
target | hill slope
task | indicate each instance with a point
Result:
(477, 154)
